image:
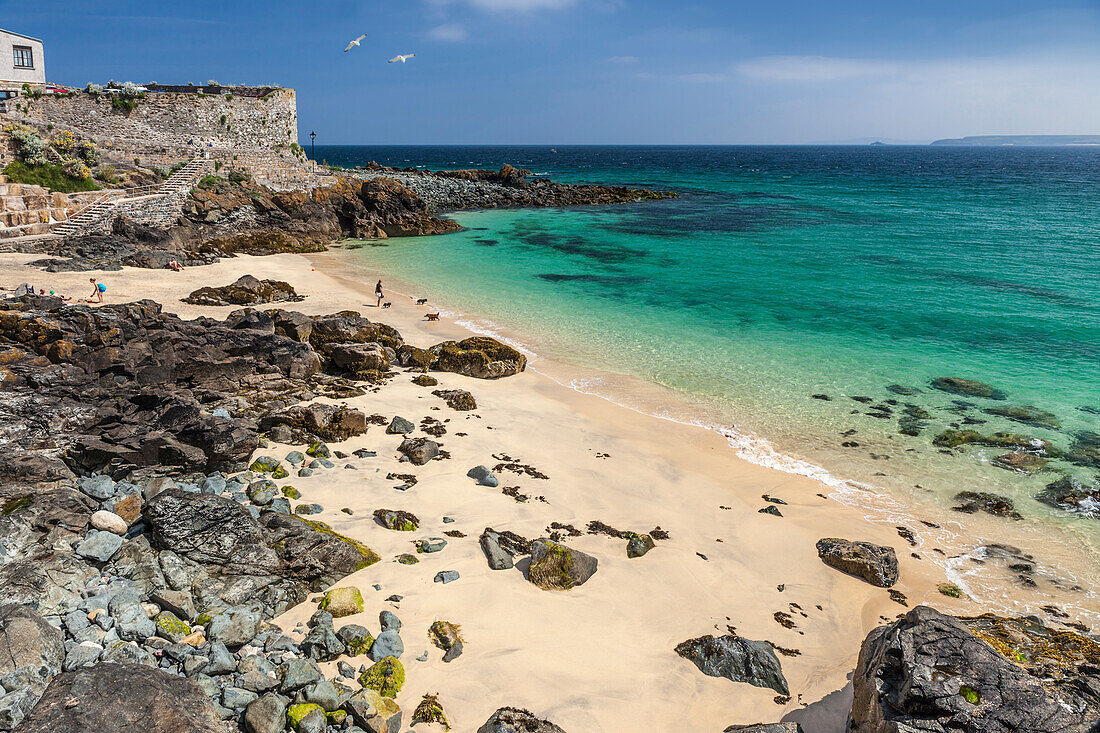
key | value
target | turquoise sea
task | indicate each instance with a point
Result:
(786, 272)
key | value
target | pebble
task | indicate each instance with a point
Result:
(446, 576)
(108, 522)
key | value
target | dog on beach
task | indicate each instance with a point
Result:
(421, 301)
(432, 316)
(387, 304)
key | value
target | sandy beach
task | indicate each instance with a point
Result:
(599, 657)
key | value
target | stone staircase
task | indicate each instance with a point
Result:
(153, 206)
(183, 180)
(86, 217)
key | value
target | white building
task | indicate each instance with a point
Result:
(21, 61)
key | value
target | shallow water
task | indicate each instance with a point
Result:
(785, 272)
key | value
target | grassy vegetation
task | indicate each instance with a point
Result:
(125, 105)
(52, 177)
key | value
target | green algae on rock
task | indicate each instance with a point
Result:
(430, 711)
(557, 567)
(340, 602)
(386, 677)
(478, 356)
(397, 519)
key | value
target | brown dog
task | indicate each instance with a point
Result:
(432, 316)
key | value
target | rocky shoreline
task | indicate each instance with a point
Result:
(226, 216)
(509, 187)
(150, 536)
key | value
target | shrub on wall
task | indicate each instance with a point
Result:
(76, 169)
(94, 89)
(30, 148)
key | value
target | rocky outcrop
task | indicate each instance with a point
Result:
(120, 698)
(937, 674)
(508, 187)
(876, 564)
(517, 720)
(765, 728)
(479, 356)
(246, 290)
(736, 659)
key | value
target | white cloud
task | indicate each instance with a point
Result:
(449, 32)
(623, 60)
(813, 68)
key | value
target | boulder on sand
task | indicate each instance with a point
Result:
(479, 356)
(737, 659)
(938, 674)
(557, 567)
(120, 698)
(876, 564)
(517, 720)
(247, 290)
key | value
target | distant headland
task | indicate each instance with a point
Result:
(1032, 140)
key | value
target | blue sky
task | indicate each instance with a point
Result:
(607, 71)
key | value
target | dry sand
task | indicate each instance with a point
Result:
(600, 656)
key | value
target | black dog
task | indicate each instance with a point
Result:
(387, 304)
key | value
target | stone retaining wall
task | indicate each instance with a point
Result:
(172, 120)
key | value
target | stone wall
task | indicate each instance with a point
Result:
(172, 120)
(254, 130)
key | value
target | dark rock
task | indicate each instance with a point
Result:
(483, 476)
(638, 545)
(557, 567)
(737, 659)
(363, 361)
(1020, 462)
(931, 672)
(765, 728)
(329, 422)
(968, 388)
(479, 356)
(247, 290)
(397, 519)
(400, 426)
(31, 652)
(517, 720)
(457, 399)
(1027, 415)
(419, 450)
(265, 715)
(1071, 494)
(501, 548)
(974, 501)
(119, 698)
(876, 564)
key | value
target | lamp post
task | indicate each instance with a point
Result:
(313, 148)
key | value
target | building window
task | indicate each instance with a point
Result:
(23, 57)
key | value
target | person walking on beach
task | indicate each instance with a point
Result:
(378, 292)
(98, 292)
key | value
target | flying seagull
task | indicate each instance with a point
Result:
(355, 42)
(401, 58)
